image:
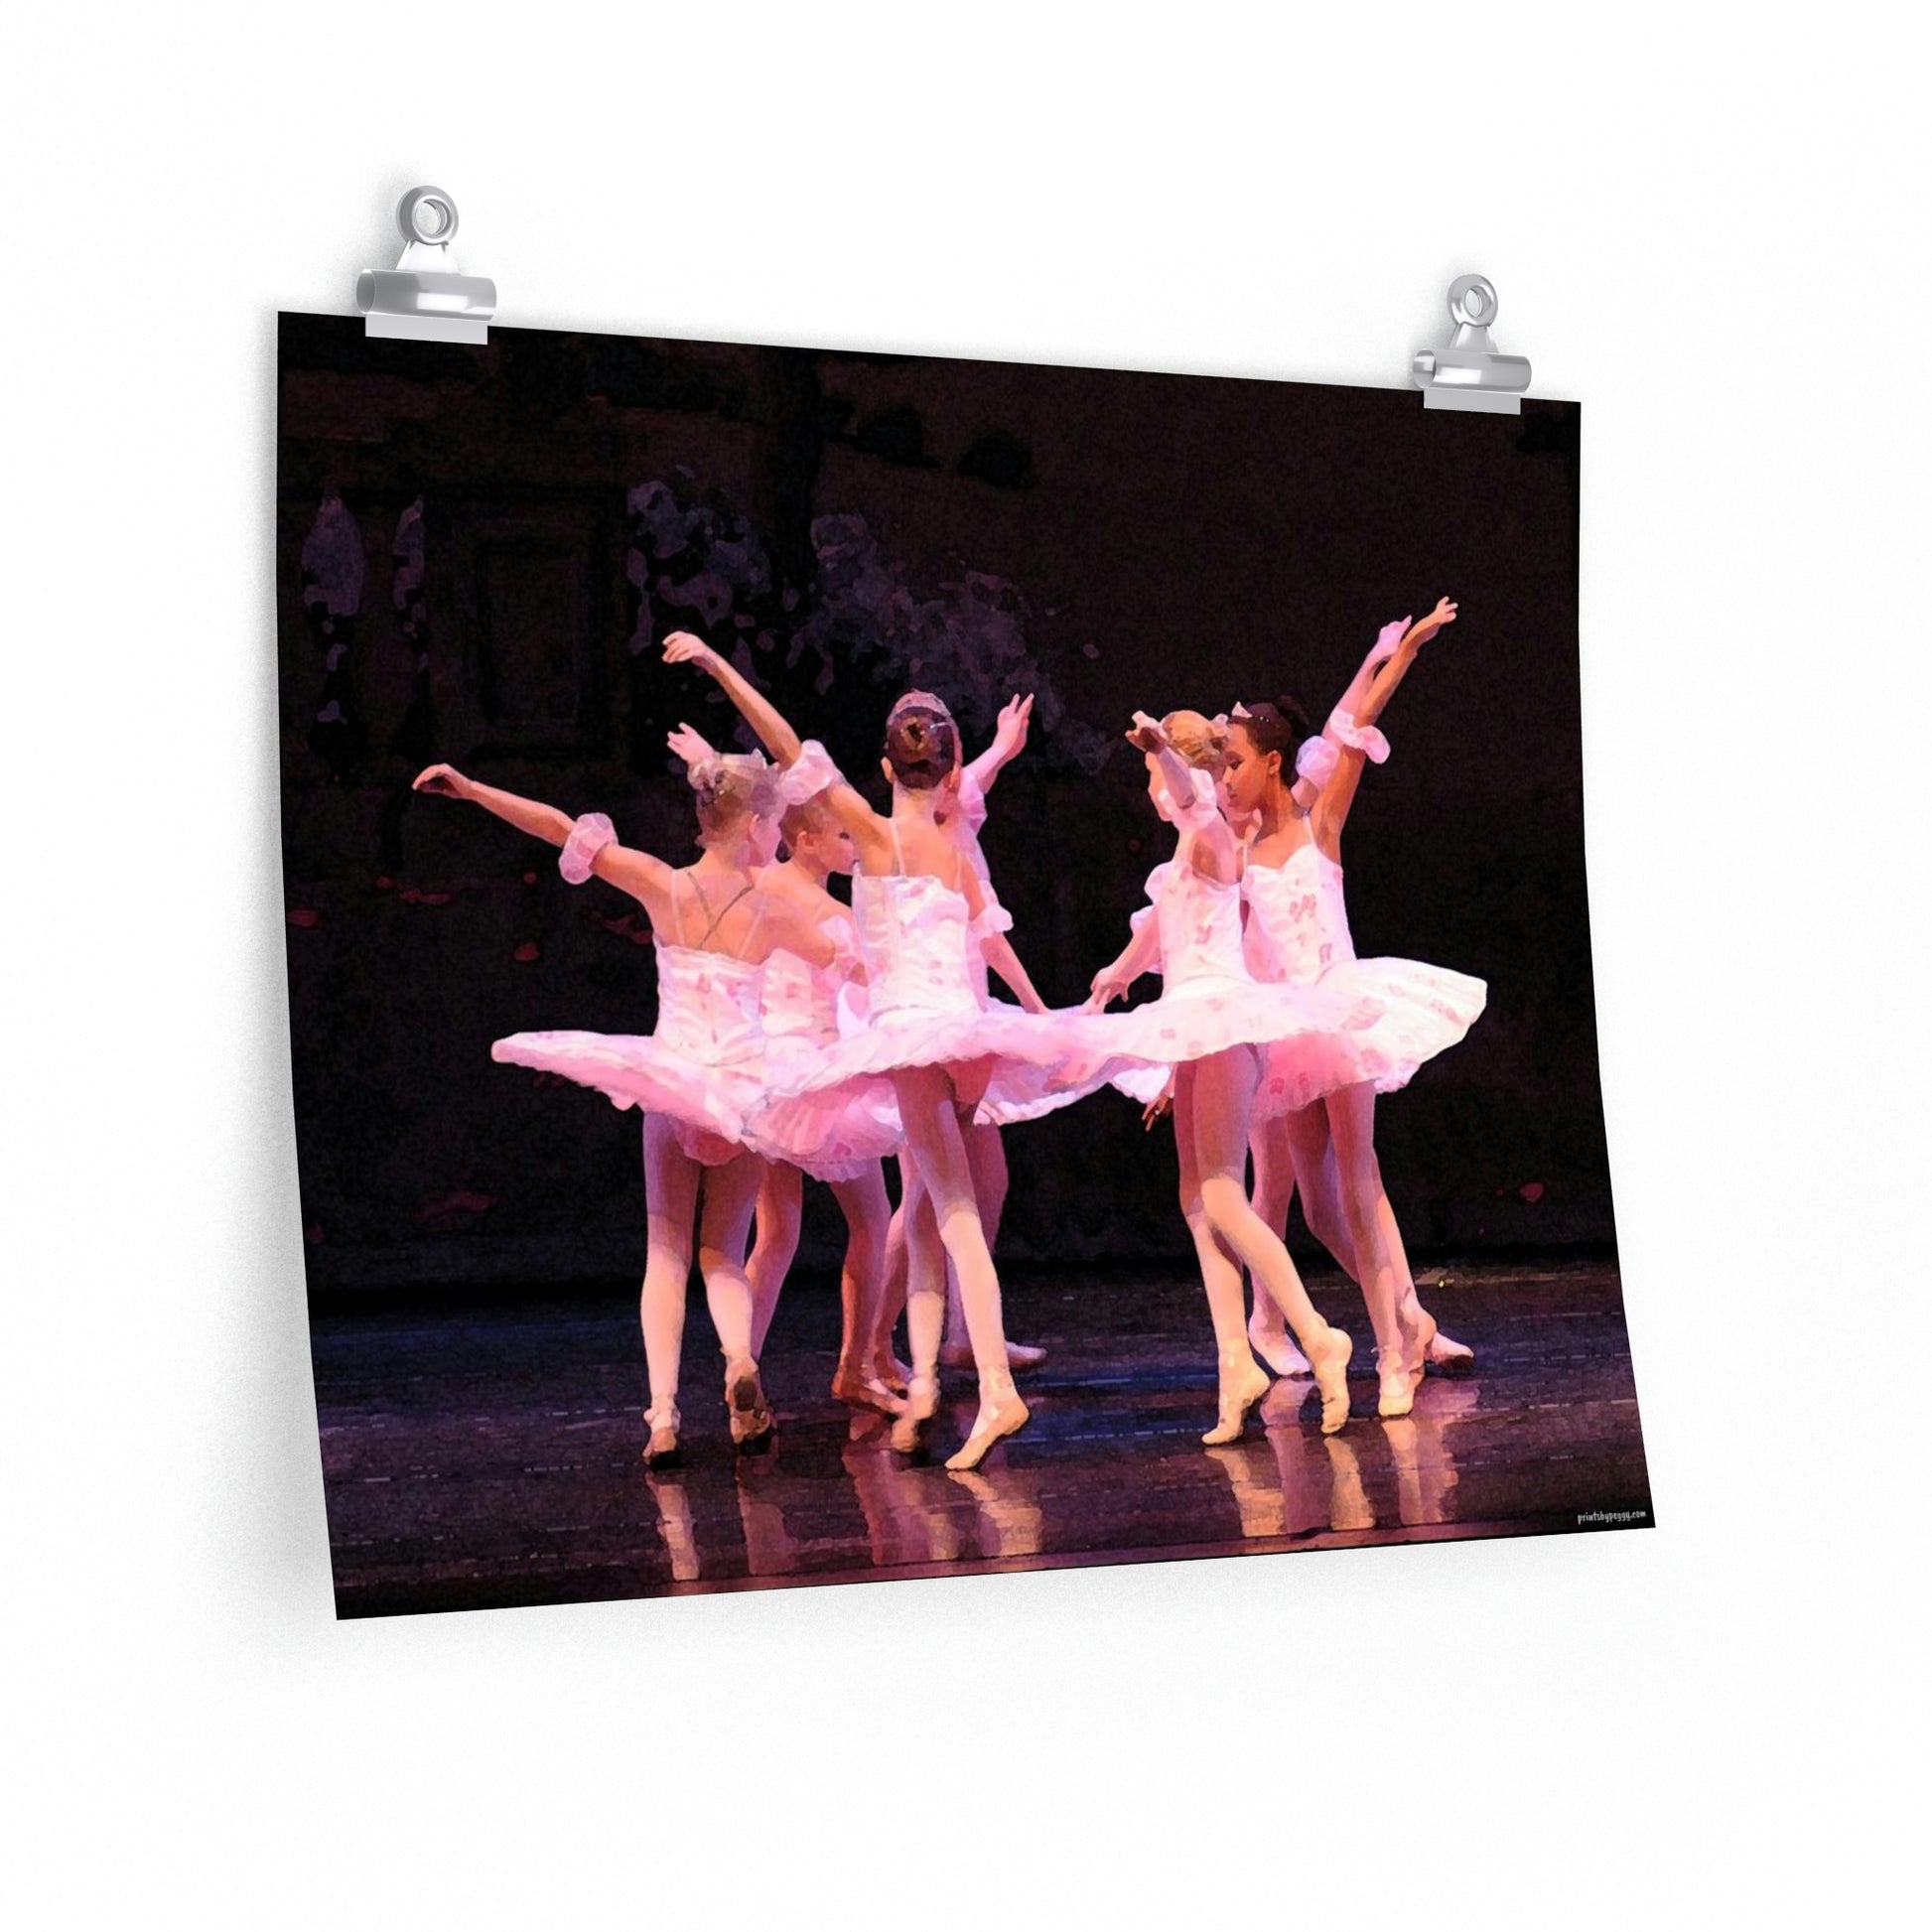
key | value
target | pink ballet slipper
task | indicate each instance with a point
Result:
(916, 1415)
(1243, 1383)
(1328, 1357)
(995, 1422)
(663, 1421)
(751, 1415)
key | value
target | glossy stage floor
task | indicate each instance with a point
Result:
(485, 1452)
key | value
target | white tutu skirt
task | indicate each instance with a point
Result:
(706, 1104)
(1038, 1061)
(835, 1135)
(1420, 1010)
(1316, 1035)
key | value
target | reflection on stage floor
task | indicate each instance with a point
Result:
(479, 1453)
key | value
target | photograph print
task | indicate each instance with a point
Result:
(904, 967)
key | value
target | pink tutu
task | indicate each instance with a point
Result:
(706, 1103)
(837, 1136)
(1298, 934)
(915, 933)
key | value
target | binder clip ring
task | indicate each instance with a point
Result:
(425, 297)
(1469, 373)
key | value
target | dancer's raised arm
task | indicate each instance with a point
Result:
(1198, 818)
(1008, 741)
(869, 831)
(1351, 728)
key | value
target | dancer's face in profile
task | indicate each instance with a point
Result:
(1246, 775)
(828, 849)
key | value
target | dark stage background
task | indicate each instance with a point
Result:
(478, 549)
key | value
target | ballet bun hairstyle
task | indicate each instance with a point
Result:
(921, 741)
(1201, 742)
(728, 790)
(1279, 727)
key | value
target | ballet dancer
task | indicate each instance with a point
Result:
(699, 1075)
(985, 1150)
(1211, 1022)
(797, 1015)
(927, 1041)
(1298, 934)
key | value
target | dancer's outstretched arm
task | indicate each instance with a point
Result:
(1008, 741)
(870, 832)
(645, 877)
(1350, 724)
(639, 874)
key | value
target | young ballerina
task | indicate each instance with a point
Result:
(699, 1075)
(927, 1041)
(1212, 1021)
(1298, 934)
(798, 1015)
(963, 818)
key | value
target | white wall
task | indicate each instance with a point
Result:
(1711, 234)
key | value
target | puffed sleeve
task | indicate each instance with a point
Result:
(972, 802)
(1316, 761)
(809, 773)
(588, 837)
(1358, 738)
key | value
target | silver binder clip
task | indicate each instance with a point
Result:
(423, 298)
(1469, 374)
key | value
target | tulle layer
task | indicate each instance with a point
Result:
(832, 1135)
(1032, 1063)
(708, 1103)
(1421, 1010)
(1200, 1017)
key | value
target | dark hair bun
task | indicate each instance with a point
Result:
(922, 747)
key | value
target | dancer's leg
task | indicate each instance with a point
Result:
(893, 1297)
(932, 1133)
(986, 1155)
(867, 1212)
(670, 1205)
(724, 1224)
(1351, 1123)
(926, 1308)
(1274, 1194)
(1242, 1382)
(780, 1210)
(1223, 1086)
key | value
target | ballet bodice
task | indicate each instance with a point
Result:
(800, 1000)
(1200, 923)
(707, 1004)
(916, 935)
(1297, 916)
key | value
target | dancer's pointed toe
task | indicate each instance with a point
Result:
(996, 1420)
(1243, 1383)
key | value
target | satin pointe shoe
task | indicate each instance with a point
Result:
(915, 1417)
(1274, 1347)
(1243, 1383)
(663, 1421)
(751, 1414)
(858, 1391)
(1329, 1360)
(996, 1420)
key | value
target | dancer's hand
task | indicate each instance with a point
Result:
(442, 780)
(1108, 986)
(1157, 1106)
(689, 745)
(1388, 640)
(1147, 735)
(1444, 613)
(1009, 735)
(680, 647)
